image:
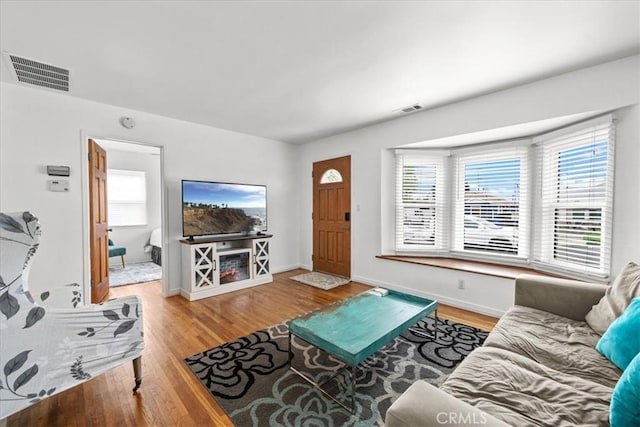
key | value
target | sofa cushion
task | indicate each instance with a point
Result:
(554, 341)
(625, 401)
(519, 391)
(620, 342)
(616, 299)
(423, 404)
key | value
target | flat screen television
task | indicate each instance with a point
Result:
(210, 208)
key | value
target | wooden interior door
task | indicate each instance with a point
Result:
(332, 216)
(98, 228)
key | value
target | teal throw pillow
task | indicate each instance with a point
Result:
(621, 341)
(625, 400)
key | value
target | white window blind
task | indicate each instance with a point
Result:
(492, 202)
(126, 197)
(420, 202)
(574, 208)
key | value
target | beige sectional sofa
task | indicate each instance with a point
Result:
(539, 366)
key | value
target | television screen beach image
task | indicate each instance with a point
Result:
(210, 208)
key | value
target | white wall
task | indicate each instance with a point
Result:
(134, 238)
(605, 87)
(40, 128)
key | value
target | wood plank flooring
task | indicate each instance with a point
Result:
(174, 329)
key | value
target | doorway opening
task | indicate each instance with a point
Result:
(125, 215)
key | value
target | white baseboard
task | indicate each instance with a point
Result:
(286, 268)
(477, 308)
(172, 292)
(306, 267)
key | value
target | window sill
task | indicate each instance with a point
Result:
(478, 267)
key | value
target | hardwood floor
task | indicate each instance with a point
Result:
(174, 329)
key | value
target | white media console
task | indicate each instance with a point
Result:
(222, 264)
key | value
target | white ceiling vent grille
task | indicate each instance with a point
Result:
(40, 74)
(411, 108)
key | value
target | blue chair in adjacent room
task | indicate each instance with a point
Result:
(120, 251)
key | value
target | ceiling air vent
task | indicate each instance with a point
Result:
(40, 74)
(411, 108)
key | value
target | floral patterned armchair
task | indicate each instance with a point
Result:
(49, 342)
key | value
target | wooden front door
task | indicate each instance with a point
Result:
(332, 216)
(98, 227)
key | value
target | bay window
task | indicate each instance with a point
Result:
(544, 201)
(420, 201)
(492, 201)
(574, 210)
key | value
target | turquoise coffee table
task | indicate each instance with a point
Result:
(353, 329)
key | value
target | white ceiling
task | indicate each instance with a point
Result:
(298, 71)
(505, 133)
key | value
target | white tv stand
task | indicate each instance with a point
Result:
(221, 264)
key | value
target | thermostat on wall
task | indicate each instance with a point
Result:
(59, 185)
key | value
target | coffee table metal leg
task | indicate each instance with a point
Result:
(290, 355)
(435, 327)
(353, 389)
(318, 386)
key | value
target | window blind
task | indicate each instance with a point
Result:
(492, 202)
(575, 199)
(420, 202)
(126, 197)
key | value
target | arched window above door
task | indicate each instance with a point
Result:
(331, 176)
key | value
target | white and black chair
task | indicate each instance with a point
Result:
(51, 342)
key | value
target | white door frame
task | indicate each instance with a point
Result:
(86, 259)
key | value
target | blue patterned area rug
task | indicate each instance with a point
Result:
(134, 273)
(250, 378)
